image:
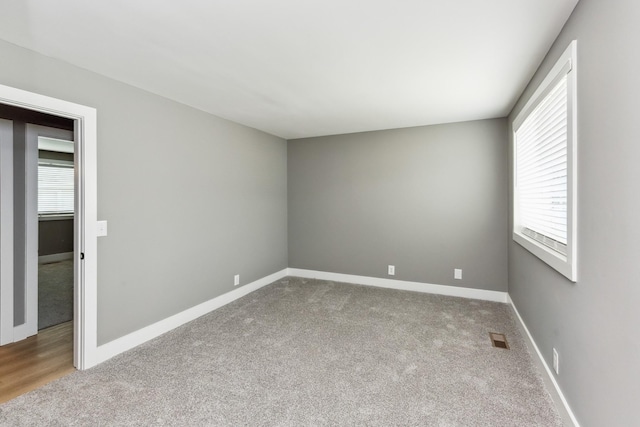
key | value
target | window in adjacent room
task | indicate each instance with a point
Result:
(55, 178)
(544, 135)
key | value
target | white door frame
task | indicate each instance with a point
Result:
(86, 271)
(32, 133)
(6, 233)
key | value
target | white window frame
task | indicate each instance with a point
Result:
(59, 146)
(564, 264)
(55, 214)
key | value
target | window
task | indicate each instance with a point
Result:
(544, 135)
(55, 187)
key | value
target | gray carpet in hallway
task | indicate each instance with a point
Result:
(55, 293)
(308, 352)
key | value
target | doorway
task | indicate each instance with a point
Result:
(84, 255)
(38, 208)
(41, 150)
(55, 211)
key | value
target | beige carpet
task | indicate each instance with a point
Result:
(305, 352)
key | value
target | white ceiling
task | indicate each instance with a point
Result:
(298, 68)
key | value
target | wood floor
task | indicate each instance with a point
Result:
(31, 363)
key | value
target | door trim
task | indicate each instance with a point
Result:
(32, 133)
(6, 238)
(85, 288)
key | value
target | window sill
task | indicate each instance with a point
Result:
(55, 217)
(554, 259)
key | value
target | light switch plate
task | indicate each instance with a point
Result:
(101, 228)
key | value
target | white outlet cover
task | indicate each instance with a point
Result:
(556, 361)
(236, 280)
(392, 270)
(457, 273)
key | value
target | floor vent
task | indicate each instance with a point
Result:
(499, 340)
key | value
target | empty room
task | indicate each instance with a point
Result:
(319, 213)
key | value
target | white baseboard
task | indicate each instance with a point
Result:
(552, 378)
(134, 339)
(46, 259)
(454, 291)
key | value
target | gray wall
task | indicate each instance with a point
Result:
(594, 322)
(426, 199)
(55, 236)
(191, 199)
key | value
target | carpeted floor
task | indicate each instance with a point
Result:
(55, 293)
(306, 352)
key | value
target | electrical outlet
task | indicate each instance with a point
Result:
(457, 273)
(392, 270)
(236, 280)
(556, 361)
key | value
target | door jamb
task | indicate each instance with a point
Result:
(32, 133)
(6, 239)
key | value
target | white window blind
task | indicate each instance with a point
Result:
(541, 178)
(55, 188)
(545, 190)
